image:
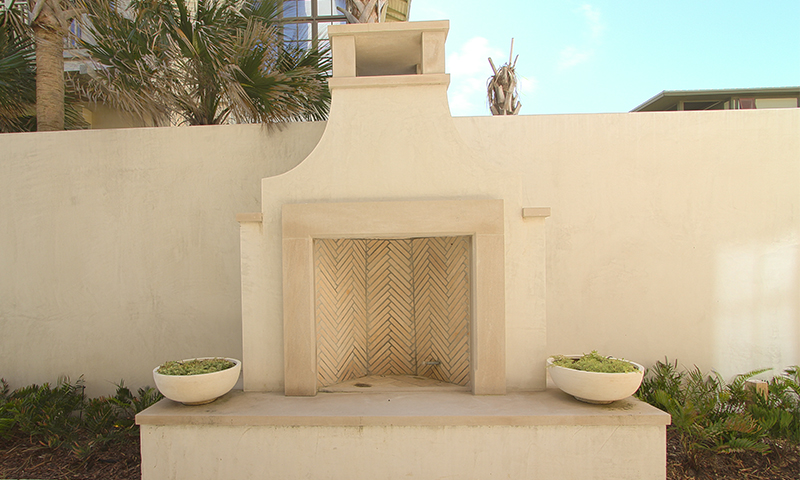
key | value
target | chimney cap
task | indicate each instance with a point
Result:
(392, 48)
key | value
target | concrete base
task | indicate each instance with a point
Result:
(543, 435)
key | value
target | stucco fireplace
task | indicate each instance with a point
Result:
(388, 250)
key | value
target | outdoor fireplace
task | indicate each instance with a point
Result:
(393, 203)
(395, 247)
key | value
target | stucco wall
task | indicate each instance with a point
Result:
(671, 234)
(119, 249)
(398, 452)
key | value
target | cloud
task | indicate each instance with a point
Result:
(595, 23)
(572, 55)
(472, 57)
(469, 69)
(526, 86)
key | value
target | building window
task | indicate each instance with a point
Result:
(744, 103)
(704, 105)
(307, 21)
(71, 41)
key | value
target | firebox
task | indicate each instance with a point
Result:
(397, 306)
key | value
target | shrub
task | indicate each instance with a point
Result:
(779, 412)
(709, 414)
(61, 416)
(48, 414)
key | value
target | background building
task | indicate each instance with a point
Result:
(308, 20)
(735, 99)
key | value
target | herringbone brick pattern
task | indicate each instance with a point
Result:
(392, 307)
(341, 299)
(441, 299)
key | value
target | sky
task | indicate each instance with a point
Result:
(611, 56)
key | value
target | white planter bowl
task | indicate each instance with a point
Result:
(594, 387)
(198, 389)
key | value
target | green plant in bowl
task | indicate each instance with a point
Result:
(593, 378)
(197, 381)
(594, 362)
(195, 366)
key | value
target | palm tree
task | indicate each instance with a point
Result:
(24, 96)
(17, 70)
(225, 60)
(49, 21)
(501, 88)
(365, 11)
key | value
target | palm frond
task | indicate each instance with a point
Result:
(224, 60)
(17, 72)
(13, 18)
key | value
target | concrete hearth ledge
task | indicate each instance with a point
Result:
(550, 407)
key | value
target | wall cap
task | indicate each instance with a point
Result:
(529, 212)
(250, 217)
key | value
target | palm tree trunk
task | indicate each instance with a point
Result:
(49, 71)
(365, 11)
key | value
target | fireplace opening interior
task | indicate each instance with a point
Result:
(392, 313)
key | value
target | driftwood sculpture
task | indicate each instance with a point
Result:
(501, 88)
(371, 11)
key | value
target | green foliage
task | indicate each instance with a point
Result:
(663, 376)
(195, 367)
(47, 413)
(594, 362)
(61, 416)
(226, 59)
(18, 74)
(779, 412)
(109, 419)
(17, 70)
(711, 415)
(7, 411)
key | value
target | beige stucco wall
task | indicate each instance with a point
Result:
(671, 234)
(540, 452)
(102, 117)
(119, 249)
